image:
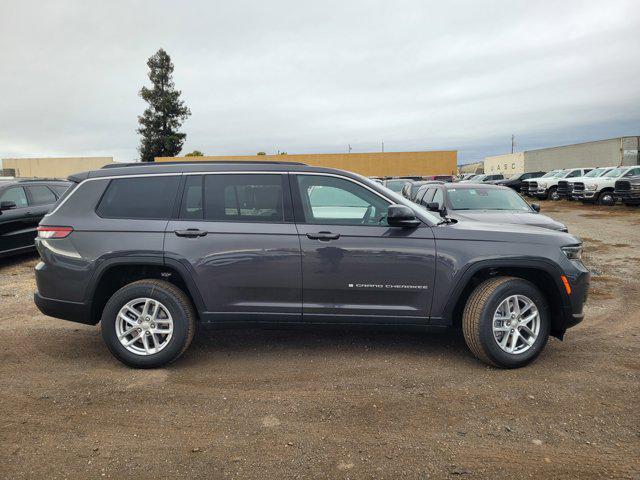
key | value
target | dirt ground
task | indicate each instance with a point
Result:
(331, 404)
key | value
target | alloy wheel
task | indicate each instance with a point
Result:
(516, 324)
(144, 326)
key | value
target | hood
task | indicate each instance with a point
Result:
(516, 217)
(503, 232)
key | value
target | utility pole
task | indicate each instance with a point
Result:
(513, 142)
(383, 146)
(349, 145)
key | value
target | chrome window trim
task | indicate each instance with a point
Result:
(228, 172)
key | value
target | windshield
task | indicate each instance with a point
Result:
(478, 178)
(396, 185)
(552, 173)
(616, 172)
(596, 172)
(515, 177)
(486, 199)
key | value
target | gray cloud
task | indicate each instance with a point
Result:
(315, 76)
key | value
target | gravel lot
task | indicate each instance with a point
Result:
(331, 404)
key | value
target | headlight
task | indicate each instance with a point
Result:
(542, 185)
(573, 252)
(592, 187)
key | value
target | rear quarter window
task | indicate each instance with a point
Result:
(148, 198)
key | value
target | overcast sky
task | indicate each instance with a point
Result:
(304, 76)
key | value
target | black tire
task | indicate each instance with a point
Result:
(552, 195)
(178, 305)
(606, 199)
(477, 321)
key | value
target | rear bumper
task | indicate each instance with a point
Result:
(72, 311)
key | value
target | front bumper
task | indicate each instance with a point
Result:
(587, 196)
(628, 196)
(572, 311)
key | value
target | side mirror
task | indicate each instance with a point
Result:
(535, 206)
(8, 206)
(401, 216)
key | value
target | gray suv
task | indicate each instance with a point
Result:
(150, 251)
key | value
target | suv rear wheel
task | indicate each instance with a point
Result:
(148, 323)
(506, 322)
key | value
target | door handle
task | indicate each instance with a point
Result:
(191, 233)
(324, 236)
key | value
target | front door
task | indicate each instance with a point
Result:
(355, 267)
(235, 233)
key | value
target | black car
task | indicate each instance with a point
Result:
(149, 251)
(485, 203)
(515, 181)
(23, 203)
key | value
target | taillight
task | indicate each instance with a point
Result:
(54, 232)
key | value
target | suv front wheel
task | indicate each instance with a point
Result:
(506, 322)
(148, 323)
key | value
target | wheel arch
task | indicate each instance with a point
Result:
(115, 273)
(540, 272)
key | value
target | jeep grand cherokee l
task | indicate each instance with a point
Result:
(150, 250)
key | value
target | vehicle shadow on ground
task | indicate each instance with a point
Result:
(344, 341)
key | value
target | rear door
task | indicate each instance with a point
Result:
(235, 233)
(16, 230)
(355, 267)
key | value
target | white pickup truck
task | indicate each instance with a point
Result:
(548, 187)
(600, 189)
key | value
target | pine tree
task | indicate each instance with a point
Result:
(161, 120)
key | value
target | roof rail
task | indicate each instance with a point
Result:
(44, 179)
(195, 162)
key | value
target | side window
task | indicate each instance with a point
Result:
(336, 201)
(41, 195)
(575, 173)
(139, 197)
(632, 172)
(438, 197)
(428, 195)
(191, 206)
(235, 197)
(15, 195)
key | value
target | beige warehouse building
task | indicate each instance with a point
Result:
(609, 152)
(51, 167)
(379, 164)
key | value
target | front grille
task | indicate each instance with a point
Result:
(533, 186)
(578, 187)
(563, 187)
(623, 186)
(524, 186)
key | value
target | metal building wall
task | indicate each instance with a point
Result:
(589, 154)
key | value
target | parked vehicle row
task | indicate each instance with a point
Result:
(23, 203)
(150, 250)
(589, 185)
